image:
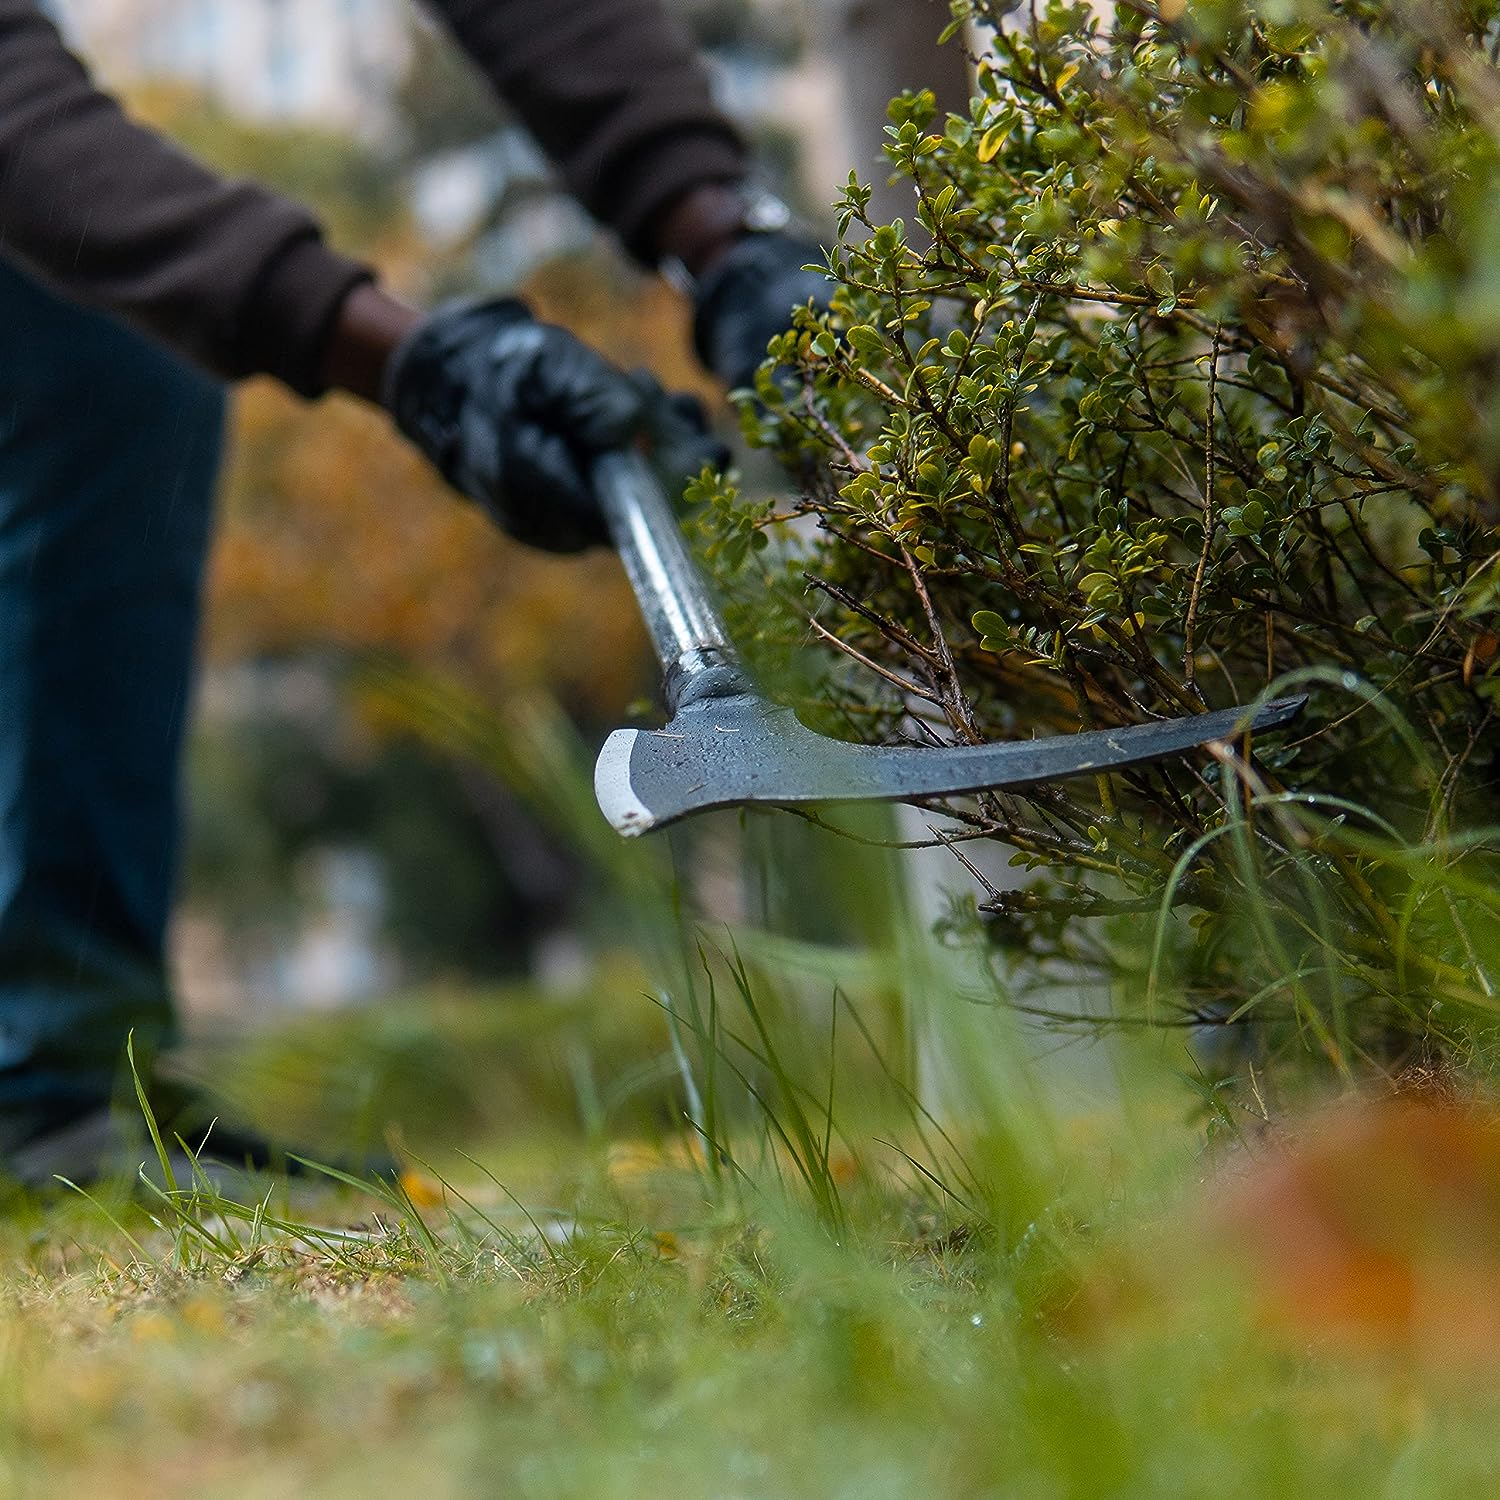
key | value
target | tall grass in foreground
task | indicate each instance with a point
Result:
(821, 1011)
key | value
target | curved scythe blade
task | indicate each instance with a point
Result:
(733, 751)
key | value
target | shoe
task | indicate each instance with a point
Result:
(110, 1143)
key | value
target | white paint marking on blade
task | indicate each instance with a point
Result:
(616, 797)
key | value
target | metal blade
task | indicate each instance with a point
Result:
(742, 750)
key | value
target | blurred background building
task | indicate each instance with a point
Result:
(331, 62)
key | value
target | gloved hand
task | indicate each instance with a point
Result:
(512, 411)
(746, 297)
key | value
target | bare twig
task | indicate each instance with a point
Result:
(1210, 527)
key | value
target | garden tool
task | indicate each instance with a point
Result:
(726, 745)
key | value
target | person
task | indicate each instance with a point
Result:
(134, 284)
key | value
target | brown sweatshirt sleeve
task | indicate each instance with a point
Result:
(615, 92)
(110, 214)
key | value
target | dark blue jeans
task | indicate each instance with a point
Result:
(108, 454)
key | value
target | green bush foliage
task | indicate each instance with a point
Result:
(1179, 390)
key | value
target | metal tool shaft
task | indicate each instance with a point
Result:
(685, 628)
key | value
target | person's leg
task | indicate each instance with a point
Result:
(109, 450)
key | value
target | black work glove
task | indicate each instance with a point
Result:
(679, 441)
(512, 412)
(746, 299)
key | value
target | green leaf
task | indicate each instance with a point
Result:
(993, 139)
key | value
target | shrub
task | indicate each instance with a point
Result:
(1182, 390)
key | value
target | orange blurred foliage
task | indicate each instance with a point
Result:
(1368, 1229)
(1378, 1228)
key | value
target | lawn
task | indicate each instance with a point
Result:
(1084, 1292)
